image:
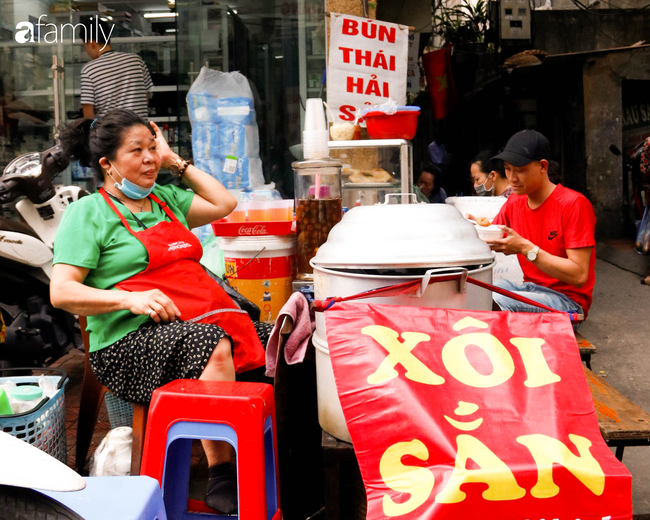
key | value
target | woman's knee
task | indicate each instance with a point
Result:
(222, 353)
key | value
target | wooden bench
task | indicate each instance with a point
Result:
(622, 423)
(586, 349)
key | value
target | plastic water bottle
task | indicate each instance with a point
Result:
(48, 386)
(25, 397)
(7, 386)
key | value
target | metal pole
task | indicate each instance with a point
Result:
(225, 66)
(55, 79)
(406, 170)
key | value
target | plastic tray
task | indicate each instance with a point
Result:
(221, 228)
(44, 426)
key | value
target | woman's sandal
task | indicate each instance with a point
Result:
(645, 281)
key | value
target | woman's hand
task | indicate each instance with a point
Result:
(167, 155)
(155, 304)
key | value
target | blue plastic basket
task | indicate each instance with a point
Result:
(120, 412)
(44, 426)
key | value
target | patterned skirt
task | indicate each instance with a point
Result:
(156, 354)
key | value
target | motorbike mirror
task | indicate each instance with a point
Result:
(54, 161)
(614, 149)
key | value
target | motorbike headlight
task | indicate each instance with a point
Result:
(27, 165)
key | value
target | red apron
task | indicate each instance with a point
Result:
(174, 254)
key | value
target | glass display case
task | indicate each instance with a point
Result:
(373, 169)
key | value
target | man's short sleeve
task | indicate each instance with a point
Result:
(579, 225)
(502, 218)
(148, 82)
(76, 240)
(87, 90)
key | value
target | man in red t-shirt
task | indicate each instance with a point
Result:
(550, 228)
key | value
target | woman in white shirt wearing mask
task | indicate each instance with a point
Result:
(488, 176)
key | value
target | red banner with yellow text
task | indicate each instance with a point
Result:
(459, 414)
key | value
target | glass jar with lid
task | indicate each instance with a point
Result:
(318, 207)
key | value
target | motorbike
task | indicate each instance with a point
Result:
(36, 332)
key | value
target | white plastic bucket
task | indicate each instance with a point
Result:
(330, 412)
(261, 268)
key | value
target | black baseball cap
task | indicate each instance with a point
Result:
(525, 147)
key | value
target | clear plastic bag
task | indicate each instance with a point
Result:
(112, 458)
(389, 107)
(225, 136)
(643, 233)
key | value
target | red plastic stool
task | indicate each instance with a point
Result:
(242, 414)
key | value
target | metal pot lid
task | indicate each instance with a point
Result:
(404, 236)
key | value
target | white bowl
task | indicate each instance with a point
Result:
(489, 232)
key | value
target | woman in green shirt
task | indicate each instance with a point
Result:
(125, 258)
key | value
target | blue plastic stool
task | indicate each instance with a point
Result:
(179, 453)
(113, 498)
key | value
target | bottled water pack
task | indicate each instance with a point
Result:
(225, 136)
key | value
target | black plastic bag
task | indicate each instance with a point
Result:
(241, 301)
(643, 233)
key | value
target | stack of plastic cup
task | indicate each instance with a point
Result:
(315, 134)
(238, 214)
(258, 211)
(280, 210)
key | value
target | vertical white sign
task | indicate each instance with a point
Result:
(413, 74)
(367, 64)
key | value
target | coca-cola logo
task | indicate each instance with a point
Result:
(252, 230)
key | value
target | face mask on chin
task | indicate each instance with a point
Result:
(482, 191)
(131, 189)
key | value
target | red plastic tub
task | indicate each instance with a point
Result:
(400, 125)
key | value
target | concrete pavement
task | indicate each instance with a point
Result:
(619, 327)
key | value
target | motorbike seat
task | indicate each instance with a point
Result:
(17, 226)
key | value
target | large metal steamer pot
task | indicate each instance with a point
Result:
(388, 244)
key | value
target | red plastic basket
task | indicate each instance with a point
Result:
(400, 125)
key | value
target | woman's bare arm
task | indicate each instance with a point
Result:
(211, 200)
(68, 292)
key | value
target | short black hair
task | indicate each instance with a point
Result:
(94, 30)
(487, 164)
(554, 174)
(437, 176)
(432, 169)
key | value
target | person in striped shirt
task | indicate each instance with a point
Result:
(112, 79)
